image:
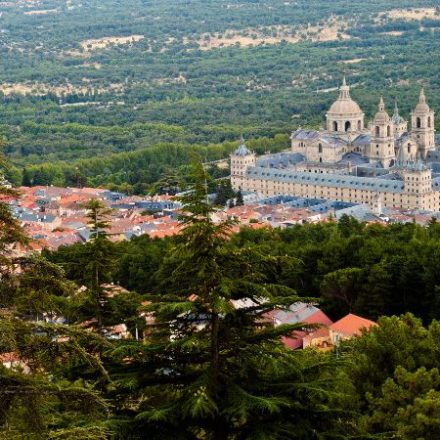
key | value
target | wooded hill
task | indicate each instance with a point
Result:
(85, 79)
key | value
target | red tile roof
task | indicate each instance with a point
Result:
(351, 325)
(296, 341)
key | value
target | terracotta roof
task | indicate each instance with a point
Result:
(9, 357)
(351, 325)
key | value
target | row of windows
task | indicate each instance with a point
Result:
(353, 197)
(338, 181)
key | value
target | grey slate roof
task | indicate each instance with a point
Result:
(353, 158)
(362, 140)
(324, 179)
(25, 216)
(435, 166)
(298, 312)
(280, 160)
(302, 134)
(433, 156)
(332, 140)
(360, 212)
(242, 150)
(75, 225)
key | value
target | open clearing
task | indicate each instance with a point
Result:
(410, 14)
(39, 89)
(330, 31)
(102, 43)
(354, 61)
(41, 12)
(393, 33)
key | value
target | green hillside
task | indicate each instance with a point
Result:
(86, 79)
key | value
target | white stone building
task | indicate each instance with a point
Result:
(385, 164)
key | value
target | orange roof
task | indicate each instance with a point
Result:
(351, 325)
(9, 357)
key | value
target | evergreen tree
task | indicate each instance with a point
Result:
(26, 179)
(342, 288)
(99, 256)
(37, 399)
(213, 366)
(224, 193)
(239, 201)
(42, 290)
(408, 406)
(11, 233)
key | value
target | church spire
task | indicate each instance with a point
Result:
(344, 90)
(381, 105)
(422, 97)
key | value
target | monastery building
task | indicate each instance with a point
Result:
(386, 163)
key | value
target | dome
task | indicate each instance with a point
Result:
(396, 118)
(344, 105)
(348, 107)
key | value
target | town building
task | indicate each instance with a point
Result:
(382, 164)
(327, 337)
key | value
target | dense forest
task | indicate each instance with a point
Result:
(198, 368)
(86, 79)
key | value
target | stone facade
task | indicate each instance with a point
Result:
(382, 165)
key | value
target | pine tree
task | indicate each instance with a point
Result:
(10, 231)
(239, 201)
(99, 256)
(26, 179)
(213, 366)
(37, 399)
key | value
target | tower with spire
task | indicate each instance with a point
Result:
(422, 126)
(381, 148)
(241, 159)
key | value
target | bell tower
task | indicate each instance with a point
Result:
(382, 138)
(422, 126)
(241, 159)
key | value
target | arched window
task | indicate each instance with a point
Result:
(388, 131)
(409, 148)
(429, 121)
(319, 148)
(377, 131)
(320, 159)
(359, 125)
(347, 125)
(418, 123)
(335, 126)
